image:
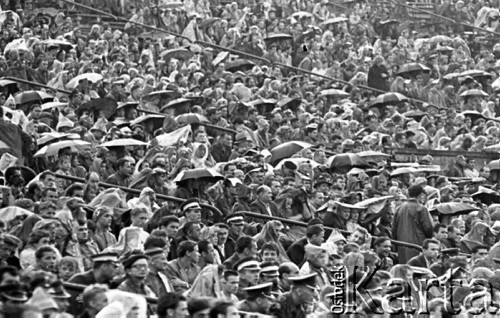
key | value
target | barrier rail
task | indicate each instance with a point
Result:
(137, 192)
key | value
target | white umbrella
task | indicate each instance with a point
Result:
(91, 77)
(124, 142)
(51, 105)
(53, 149)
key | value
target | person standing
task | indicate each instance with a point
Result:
(412, 223)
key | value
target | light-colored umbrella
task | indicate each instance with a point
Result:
(196, 174)
(48, 137)
(288, 149)
(124, 142)
(191, 118)
(91, 77)
(53, 149)
(297, 162)
(474, 93)
(51, 105)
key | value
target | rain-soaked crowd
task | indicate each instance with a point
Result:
(153, 175)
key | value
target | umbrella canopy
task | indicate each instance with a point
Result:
(161, 94)
(196, 174)
(6, 82)
(412, 69)
(415, 114)
(157, 120)
(176, 103)
(474, 93)
(17, 44)
(473, 115)
(55, 136)
(332, 92)
(474, 73)
(32, 96)
(298, 162)
(387, 22)
(451, 76)
(179, 54)
(345, 161)
(51, 105)
(301, 14)
(388, 99)
(191, 118)
(370, 155)
(288, 149)
(53, 149)
(64, 45)
(445, 49)
(290, 103)
(91, 77)
(440, 38)
(403, 170)
(486, 196)
(124, 142)
(239, 65)
(495, 164)
(264, 106)
(333, 21)
(11, 212)
(454, 208)
(278, 37)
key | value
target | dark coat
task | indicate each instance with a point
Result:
(412, 224)
(418, 261)
(297, 251)
(376, 77)
(259, 207)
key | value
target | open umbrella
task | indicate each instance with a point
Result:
(387, 22)
(371, 155)
(388, 99)
(27, 173)
(301, 14)
(474, 93)
(156, 119)
(374, 208)
(53, 149)
(494, 164)
(415, 114)
(297, 162)
(445, 49)
(11, 212)
(474, 73)
(486, 196)
(51, 105)
(177, 104)
(403, 170)
(263, 106)
(18, 44)
(239, 65)
(32, 96)
(191, 118)
(123, 142)
(161, 94)
(440, 38)
(451, 76)
(91, 77)
(451, 208)
(473, 115)
(333, 21)
(332, 92)
(64, 45)
(179, 54)
(288, 149)
(55, 136)
(412, 69)
(6, 82)
(346, 161)
(290, 103)
(197, 174)
(278, 37)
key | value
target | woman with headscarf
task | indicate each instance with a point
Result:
(271, 232)
(316, 258)
(103, 217)
(210, 233)
(200, 156)
(123, 305)
(474, 238)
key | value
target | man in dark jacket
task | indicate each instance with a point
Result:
(412, 223)
(378, 74)
(314, 235)
(428, 255)
(221, 150)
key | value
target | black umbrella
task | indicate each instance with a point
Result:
(290, 103)
(181, 105)
(278, 37)
(25, 172)
(412, 69)
(239, 65)
(486, 196)
(264, 106)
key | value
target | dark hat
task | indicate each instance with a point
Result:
(189, 204)
(129, 261)
(154, 251)
(261, 290)
(14, 291)
(57, 291)
(247, 263)
(269, 269)
(105, 257)
(308, 280)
